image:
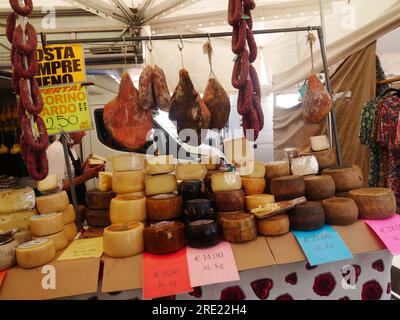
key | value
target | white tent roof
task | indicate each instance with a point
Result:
(348, 28)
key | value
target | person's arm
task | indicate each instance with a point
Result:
(88, 173)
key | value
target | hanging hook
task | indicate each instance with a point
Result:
(209, 38)
(181, 45)
(150, 44)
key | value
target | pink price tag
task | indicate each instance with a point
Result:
(388, 231)
(212, 265)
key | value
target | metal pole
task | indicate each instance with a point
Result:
(329, 88)
(70, 178)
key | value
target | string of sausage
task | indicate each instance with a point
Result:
(29, 103)
(244, 75)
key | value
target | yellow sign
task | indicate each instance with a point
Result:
(65, 107)
(83, 248)
(60, 64)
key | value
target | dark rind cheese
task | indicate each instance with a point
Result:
(308, 216)
(319, 187)
(164, 237)
(288, 188)
(199, 209)
(191, 189)
(164, 207)
(98, 218)
(346, 178)
(340, 211)
(99, 200)
(203, 233)
(230, 200)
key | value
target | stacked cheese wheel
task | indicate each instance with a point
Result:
(253, 177)
(98, 204)
(321, 149)
(275, 169)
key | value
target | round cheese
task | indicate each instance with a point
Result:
(44, 225)
(288, 188)
(69, 214)
(342, 194)
(19, 220)
(59, 239)
(98, 218)
(16, 200)
(253, 169)
(137, 194)
(128, 209)
(276, 169)
(226, 181)
(123, 239)
(211, 162)
(374, 203)
(160, 164)
(164, 237)
(191, 189)
(340, 211)
(128, 181)
(7, 254)
(233, 200)
(190, 171)
(159, 184)
(326, 159)
(105, 181)
(238, 222)
(308, 216)
(203, 233)
(70, 230)
(235, 236)
(55, 202)
(319, 187)
(274, 226)
(50, 184)
(320, 143)
(128, 162)
(199, 209)
(258, 200)
(346, 178)
(99, 200)
(222, 214)
(35, 253)
(164, 207)
(253, 185)
(23, 236)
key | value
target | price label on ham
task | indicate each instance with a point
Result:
(388, 231)
(65, 107)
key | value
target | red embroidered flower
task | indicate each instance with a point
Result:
(232, 293)
(324, 284)
(371, 290)
(292, 279)
(173, 297)
(262, 288)
(389, 288)
(357, 269)
(344, 298)
(378, 265)
(285, 297)
(308, 266)
(197, 292)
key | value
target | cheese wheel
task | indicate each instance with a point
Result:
(98, 218)
(199, 209)
(123, 239)
(258, 200)
(164, 237)
(340, 211)
(274, 226)
(99, 200)
(128, 181)
(105, 181)
(211, 162)
(19, 220)
(191, 189)
(23, 236)
(44, 225)
(59, 239)
(233, 200)
(159, 184)
(190, 171)
(308, 216)
(238, 222)
(69, 214)
(320, 143)
(226, 181)
(253, 185)
(70, 230)
(276, 169)
(374, 203)
(164, 207)
(50, 184)
(128, 209)
(35, 253)
(319, 187)
(304, 166)
(235, 236)
(128, 162)
(326, 159)
(222, 214)
(203, 233)
(288, 188)
(137, 194)
(160, 164)
(55, 202)
(347, 178)
(238, 150)
(253, 169)
(16, 200)
(7, 254)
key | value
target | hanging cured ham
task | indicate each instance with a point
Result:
(188, 109)
(126, 121)
(317, 101)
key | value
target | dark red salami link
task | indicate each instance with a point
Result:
(260, 113)
(249, 21)
(15, 83)
(250, 122)
(19, 69)
(241, 70)
(12, 54)
(22, 11)
(249, 4)
(20, 109)
(235, 12)
(245, 99)
(239, 38)
(43, 138)
(10, 27)
(256, 83)
(30, 46)
(252, 46)
(37, 164)
(32, 103)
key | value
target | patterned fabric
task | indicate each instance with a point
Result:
(380, 75)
